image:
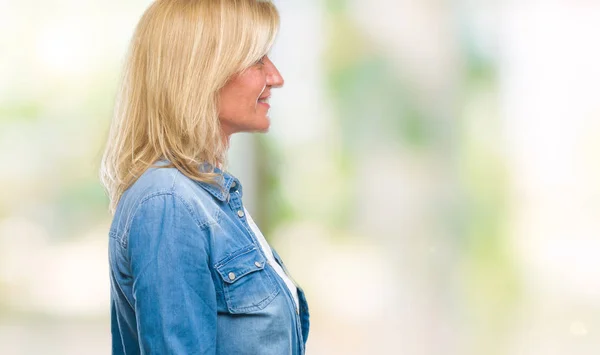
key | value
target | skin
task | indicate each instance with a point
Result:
(243, 101)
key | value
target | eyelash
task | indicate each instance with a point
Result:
(261, 61)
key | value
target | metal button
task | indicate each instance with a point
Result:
(231, 276)
(233, 184)
(241, 213)
(257, 263)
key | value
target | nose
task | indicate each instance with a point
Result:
(274, 78)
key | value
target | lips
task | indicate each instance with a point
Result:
(264, 95)
(264, 99)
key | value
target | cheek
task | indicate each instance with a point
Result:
(248, 99)
(229, 102)
(239, 97)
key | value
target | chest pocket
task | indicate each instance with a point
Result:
(247, 286)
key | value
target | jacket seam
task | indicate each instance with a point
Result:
(201, 226)
(164, 192)
(121, 290)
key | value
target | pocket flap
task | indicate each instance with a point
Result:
(240, 263)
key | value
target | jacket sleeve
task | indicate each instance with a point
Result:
(174, 294)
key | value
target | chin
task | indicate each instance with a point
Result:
(264, 126)
(261, 129)
(257, 125)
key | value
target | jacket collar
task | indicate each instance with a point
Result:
(226, 183)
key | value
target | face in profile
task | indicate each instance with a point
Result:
(244, 100)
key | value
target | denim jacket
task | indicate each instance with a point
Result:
(188, 276)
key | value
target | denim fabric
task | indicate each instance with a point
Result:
(189, 277)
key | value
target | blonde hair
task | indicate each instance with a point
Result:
(181, 54)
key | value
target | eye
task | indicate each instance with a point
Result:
(261, 61)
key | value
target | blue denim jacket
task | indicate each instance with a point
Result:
(188, 276)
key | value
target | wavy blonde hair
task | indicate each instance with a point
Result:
(181, 54)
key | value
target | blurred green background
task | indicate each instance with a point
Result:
(431, 174)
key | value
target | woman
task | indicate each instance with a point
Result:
(190, 272)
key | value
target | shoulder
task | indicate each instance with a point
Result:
(164, 190)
